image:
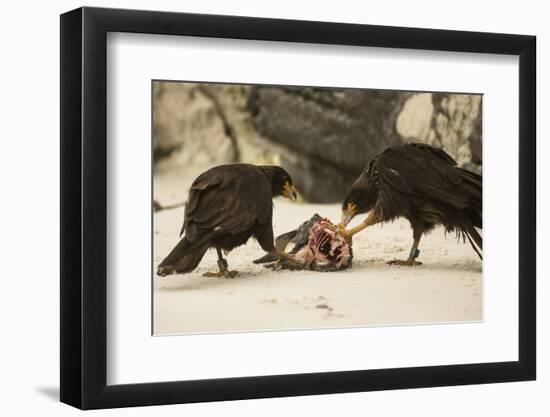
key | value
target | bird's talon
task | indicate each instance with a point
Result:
(346, 235)
(287, 260)
(221, 274)
(408, 262)
(330, 226)
(340, 230)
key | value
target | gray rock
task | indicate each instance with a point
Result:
(331, 133)
(448, 121)
(341, 127)
(187, 127)
(323, 137)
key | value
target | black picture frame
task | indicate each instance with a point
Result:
(84, 207)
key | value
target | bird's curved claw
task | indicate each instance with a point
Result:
(288, 260)
(348, 237)
(408, 262)
(340, 230)
(221, 274)
(346, 234)
(329, 226)
(267, 258)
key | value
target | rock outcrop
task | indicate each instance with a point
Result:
(323, 137)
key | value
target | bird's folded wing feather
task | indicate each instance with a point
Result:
(427, 173)
(233, 203)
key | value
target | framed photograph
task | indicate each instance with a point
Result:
(259, 208)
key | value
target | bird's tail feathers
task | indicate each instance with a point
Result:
(185, 256)
(473, 236)
(472, 184)
(472, 187)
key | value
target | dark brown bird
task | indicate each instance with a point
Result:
(226, 206)
(422, 184)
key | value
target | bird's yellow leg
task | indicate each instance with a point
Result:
(413, 254)
(223, 272)
(330, 226)
(288, 259)
(371, 219)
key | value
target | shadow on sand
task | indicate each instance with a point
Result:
(50, 392)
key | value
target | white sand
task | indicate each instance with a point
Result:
(447, 288)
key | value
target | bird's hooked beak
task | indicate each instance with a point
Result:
(348, 213)
(289, 191)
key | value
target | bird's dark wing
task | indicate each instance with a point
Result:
(427, 172)
(229, 199)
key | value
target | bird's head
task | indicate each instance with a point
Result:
(354, 203)
(281, 183)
